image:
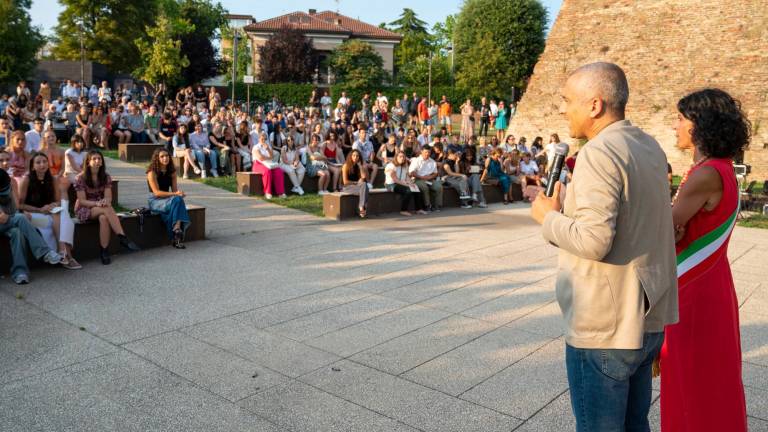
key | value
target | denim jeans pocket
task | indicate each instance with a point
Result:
(618, 364)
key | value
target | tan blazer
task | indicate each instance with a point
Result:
(617, 273)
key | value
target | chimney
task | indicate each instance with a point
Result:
(312, 11)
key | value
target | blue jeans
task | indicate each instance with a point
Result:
(18, 228)
(213, 157)
(611, 388)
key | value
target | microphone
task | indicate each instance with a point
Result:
(561, 152)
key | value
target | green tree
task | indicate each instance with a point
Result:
(416, 38)
(416, 73)
(208, 18)
(243, 55)
(497, 43)
(356, 64)
(442, 34)
(105, 26)
(19, 40)
(287, 56)
(162, 59)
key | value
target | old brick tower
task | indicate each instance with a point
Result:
(667, 48)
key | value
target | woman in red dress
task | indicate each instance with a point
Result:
(701, 386)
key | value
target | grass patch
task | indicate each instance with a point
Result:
(756, 221)
(228, 183)
(308, 203)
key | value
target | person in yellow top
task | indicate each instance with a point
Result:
(444, 113)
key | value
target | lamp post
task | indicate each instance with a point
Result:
(235, 39)
(81, 26)
(450, 49)
(429, 82)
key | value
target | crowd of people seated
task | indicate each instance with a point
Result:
(342, 145)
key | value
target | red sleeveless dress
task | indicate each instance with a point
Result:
(701, 385)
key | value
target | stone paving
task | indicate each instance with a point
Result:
(282, 321)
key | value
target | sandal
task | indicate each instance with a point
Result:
(363, 214)
(177, 240)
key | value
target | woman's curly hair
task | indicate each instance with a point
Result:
(720, 127)
(155, 165)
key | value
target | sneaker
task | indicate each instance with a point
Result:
(474, 197)
(215, 174)
(370, 186)
(268, 196)
(422, 212)
(204, 175)
(482, 204)
(295, 189)
(52, 258)
(185, 176)
(465, 197)
(129, 244)
(301, 191)
(72, 264)
(283, 196)
(322, 192)
(436, 209)
(21, 279)
(466, 206)
(196, 170)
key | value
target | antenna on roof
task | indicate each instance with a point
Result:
(337, 6)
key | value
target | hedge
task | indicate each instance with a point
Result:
(298, 94)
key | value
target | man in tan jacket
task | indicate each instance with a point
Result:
(617, 281)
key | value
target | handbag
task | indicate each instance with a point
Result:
(141, 212)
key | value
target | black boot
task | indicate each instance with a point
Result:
(105, 258)
(178, 239)
(128, 244)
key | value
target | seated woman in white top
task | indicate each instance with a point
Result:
(529, 171)
(397, 180)
(290, 163)
(73, 158)
(262, 156)
(201, 147)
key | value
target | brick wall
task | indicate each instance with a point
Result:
(667, 48)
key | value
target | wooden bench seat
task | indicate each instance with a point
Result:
(341, 206)
(151, 235)
(135, 152)
(249, 183)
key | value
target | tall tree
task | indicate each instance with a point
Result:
(497, 43)
(416, 73)
(442, 34)
(162, 58)
(105, 26)
(19, 40)
(416, 38)
(287, 56)
(358, 65)
(208, 18)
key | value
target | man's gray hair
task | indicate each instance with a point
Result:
(609, 82)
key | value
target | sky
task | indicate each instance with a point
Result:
(45, 13)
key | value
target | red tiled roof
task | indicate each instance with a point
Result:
(324, 22)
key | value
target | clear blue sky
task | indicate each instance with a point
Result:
(45, 12)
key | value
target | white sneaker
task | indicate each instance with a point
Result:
(283, 196)
(196, 170)
(482, 204)
(52, 257)
(215, 174)
(464, 197)
(474, 197)
(295, 189)
(185, 176)
(204, 175)
(268, 196)
(322, 192)
(370, 186)
(301, 190)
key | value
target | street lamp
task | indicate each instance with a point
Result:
(235, 39)
(429, 82)
(81, 27)
(450, 49)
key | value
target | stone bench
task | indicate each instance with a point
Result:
(86, 242)
(341, 206)
(249, 183)
(72, 195)
(135, 152)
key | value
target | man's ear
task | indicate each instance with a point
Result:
(597, 107)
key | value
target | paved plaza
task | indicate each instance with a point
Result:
(282, 321)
